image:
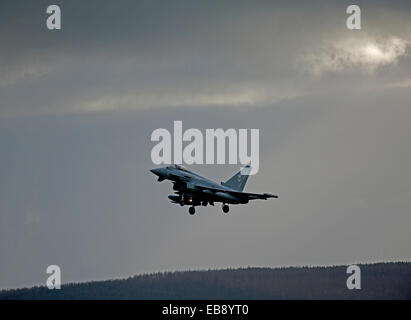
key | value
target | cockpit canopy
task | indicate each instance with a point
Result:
(176, 166)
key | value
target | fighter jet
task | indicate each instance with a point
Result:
(194, 190)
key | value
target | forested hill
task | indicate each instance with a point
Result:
(378, 281)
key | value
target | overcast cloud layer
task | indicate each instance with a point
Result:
(78, 107)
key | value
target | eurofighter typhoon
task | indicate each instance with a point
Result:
(194, 190)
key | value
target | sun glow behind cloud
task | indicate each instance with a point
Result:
(364, 54)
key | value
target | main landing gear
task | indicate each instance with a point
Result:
(192, 209)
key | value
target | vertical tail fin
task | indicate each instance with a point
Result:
(238, 181)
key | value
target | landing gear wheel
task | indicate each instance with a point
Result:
(226, 208)
(192, 210)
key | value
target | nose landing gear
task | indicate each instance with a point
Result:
(226, 208)
(192, 210)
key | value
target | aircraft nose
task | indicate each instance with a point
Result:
(158, 171)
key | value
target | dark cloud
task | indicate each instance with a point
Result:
(132, 54)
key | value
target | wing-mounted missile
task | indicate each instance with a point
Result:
(269, 195)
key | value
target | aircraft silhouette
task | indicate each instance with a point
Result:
(194, 190)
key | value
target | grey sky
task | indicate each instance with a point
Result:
(78, 107)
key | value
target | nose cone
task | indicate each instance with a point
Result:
(161, 172)
(157, 171)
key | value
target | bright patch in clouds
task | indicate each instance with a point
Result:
(363, 54)
(144, 100)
